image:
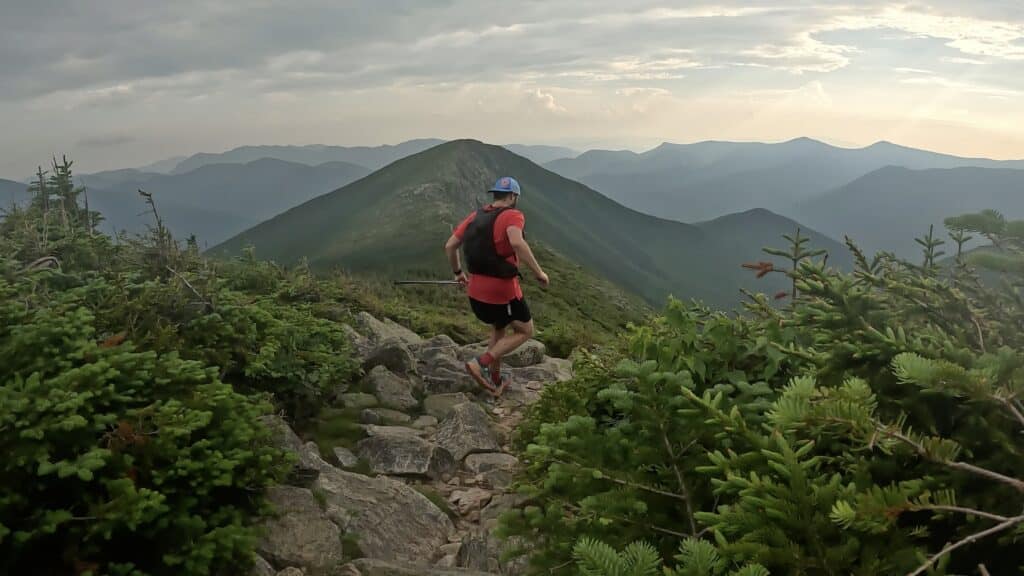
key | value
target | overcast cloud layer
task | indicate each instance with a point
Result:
(119, 83)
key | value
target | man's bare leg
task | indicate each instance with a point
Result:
(521, 332)
(495, 368)
(478, 374)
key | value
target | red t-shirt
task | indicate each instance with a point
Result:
(489, 289)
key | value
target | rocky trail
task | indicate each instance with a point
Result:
(421, 493)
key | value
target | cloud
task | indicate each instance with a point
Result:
(969, 35)
(545, 101)
(230, 71)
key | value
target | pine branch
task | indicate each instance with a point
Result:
(962, 510)
(1008, 523)
(1011, 407)
(653, 527)
(977, 470)
(627, 483)
(682, 482)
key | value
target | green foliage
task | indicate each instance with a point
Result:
(871, 428)
(121, 461)
(133, 375)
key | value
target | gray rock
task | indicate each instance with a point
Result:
(291, 571)
(261, 567)
(392, 520)
(439, 348)
(345, 457)
(392, 391)
(424, 422)
(358, 400)
(301, 533)
(469, 500)
(474, 553)
(529, 354)
(497, 469)
(548, 371)
(405, 455)
(373, 430)
(446, 381)
(440, 405)
(374, 567)
(379, 330)
(385, 416)
(394, 355)
(369, 416)
(500, 503)
(360, 343)
(466, 430)
(308, 465)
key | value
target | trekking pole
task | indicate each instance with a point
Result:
(426, 282)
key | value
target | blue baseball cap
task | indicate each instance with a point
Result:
(506, 185)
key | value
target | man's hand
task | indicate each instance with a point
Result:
(462, 279)
(543, 279)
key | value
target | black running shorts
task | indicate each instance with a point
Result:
(501, 315)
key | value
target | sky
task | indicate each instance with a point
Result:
(120, 83)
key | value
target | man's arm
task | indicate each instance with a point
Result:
(522, 250)
(451, 248)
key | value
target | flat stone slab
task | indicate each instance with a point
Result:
(391, 519)
(466, 430)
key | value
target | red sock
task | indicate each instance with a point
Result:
(486, 359)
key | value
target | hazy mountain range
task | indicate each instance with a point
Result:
(888, 208)
(693, 182)
(395, 221)
(398, 200)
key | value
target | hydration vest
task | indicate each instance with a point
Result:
(481, 254)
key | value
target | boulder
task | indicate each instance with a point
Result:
(261, 567)
(358, 400)
(385, 416)
(369, 416)
(300, 534)
(291, 571)
(529, 354)
(500, 503)
(391, 519)
(550, 370)
(466, 501)
(482, 551)
(360, 344)
(308, 465)
(405, 455)
(466, 430)
(437, 349)
(392, 391)
(440, 405)
(373, 430)
(474, 553)
(379, 330)
(447, 381)
(345, 457)
(497, 469)
(424, 422)
(393, 354)
(374, 567)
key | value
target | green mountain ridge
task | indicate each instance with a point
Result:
(395, 221)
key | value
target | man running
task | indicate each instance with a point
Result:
(494, 244)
